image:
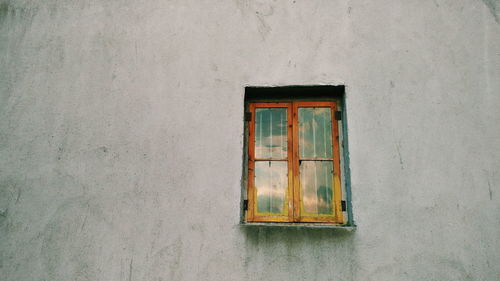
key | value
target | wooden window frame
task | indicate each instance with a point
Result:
(294, 212)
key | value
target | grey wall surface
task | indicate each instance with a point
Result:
(121, 138)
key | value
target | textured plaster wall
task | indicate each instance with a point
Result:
(121, 138)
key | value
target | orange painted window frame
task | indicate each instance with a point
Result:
(294, 213)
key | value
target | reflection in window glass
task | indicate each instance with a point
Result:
(315, 132)
(316, 182)
(271, 133)
(271, 183)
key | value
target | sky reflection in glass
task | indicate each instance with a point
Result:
(316, 182)
(271, 182)
(315, 132)
(271, 133)
(316, 177)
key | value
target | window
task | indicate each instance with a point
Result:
(293, 162)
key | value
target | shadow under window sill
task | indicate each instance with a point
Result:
(348, 228)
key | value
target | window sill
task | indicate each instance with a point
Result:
(348, 228)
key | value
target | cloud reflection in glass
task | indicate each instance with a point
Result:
(316, 177)
(271, 133)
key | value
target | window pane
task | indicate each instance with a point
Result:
(315, 132)
(317, 188)
(271, 183)
(271, 133)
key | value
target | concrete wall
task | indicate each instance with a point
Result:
(121, 135)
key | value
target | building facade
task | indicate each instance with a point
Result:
(122, 138)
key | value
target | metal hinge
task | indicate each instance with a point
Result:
(248, 116)
(245, 205)
(338, 115)
(344, 205)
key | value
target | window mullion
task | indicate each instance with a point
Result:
(295, 163)
(291, 170)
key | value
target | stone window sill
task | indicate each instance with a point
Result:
(348, 228)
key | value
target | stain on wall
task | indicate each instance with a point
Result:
(494, 6)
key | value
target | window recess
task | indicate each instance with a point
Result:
(293, 162)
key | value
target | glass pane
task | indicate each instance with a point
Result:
(271, 182)
(317, 189)
(271, 133)
(315, 132)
